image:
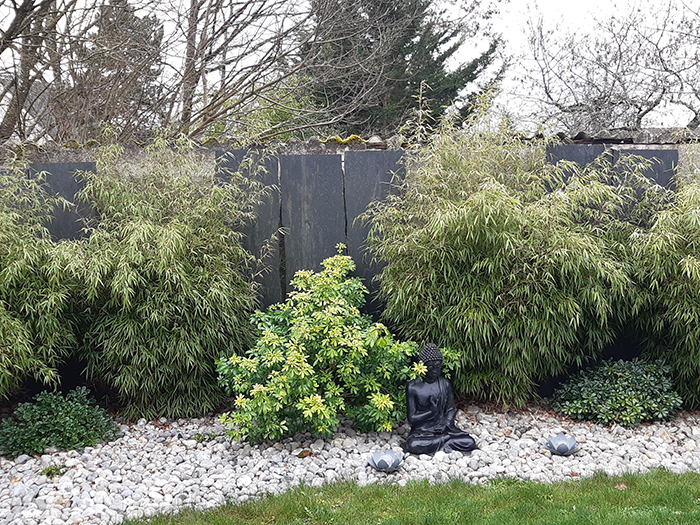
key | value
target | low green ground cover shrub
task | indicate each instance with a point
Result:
(318, 357)
(52, 420)
(622, 392)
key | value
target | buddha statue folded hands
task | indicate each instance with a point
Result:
(431, 411)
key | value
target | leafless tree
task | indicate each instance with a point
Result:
(198, 67)
(110, 75)
(676, 43)
(621, 70)
(234, 51)
(219, 59)
(26, 29)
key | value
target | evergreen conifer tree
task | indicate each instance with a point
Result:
(382, 51)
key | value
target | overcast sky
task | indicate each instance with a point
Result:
(513, 24)
(564, 15)
(570, 13)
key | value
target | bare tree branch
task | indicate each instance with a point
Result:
(621, 71)
(199, 67)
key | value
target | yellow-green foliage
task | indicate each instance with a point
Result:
(317, 357)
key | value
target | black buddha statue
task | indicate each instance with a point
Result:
(430, 409)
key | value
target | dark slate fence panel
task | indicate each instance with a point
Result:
(268, 219)
(664, 163)
(313, 210)
(61, 179)
(368, 178)
(316, 201)
(581, 154)
(662, 168)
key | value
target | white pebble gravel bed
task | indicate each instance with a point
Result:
(162, 466)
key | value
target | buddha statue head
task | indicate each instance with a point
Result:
(431, 357)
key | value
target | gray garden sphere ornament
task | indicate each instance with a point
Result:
(561, 445)
(386, 460)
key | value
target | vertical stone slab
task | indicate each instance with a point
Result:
(662, 169)
(313, 210)
(266, 224)
(62, 181)
(581, 154)
(664, 163)
(368, 178)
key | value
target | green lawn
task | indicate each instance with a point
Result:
(655, 498)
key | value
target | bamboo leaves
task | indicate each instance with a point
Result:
(668, 256)
(36, 331)
(514, 264)
(165, 280)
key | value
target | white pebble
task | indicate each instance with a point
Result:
(155, 469)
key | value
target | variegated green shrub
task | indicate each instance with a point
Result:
(318, 357)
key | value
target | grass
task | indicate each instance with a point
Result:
(654, 498)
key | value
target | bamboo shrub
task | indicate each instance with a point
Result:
(668, 268)
(167, 282)
(36, 333)
(518, 266)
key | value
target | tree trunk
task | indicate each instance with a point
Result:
(22, 83)
(190, 76)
